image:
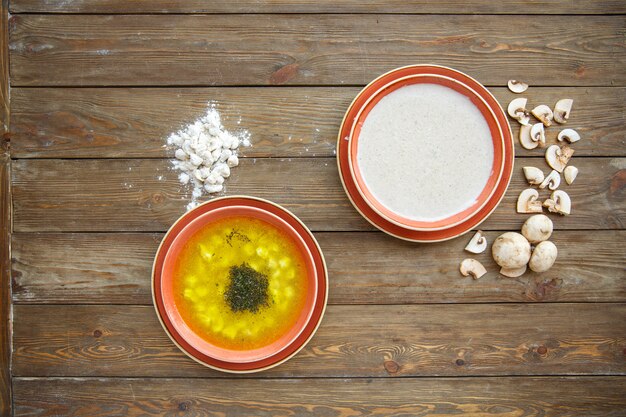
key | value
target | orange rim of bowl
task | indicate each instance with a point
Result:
(201, 345)
(380, 222)
(320, 300)
(496, 135)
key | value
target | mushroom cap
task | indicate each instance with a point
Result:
(562, 110)
(537, 228)
(525, 139)
(528, 202)
(543, 113)
(472, 267)
(517, 86)
(543, 256)
(552, 181)
(533, 175)
(477, 244)
(511, 250)
(570, 172)
(569, 135)
(538, 134)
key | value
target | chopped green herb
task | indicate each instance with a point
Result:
(238, 235)
(247, 289)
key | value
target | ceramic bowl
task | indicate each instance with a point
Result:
(190, 226)
(497, 137)
(348, 183)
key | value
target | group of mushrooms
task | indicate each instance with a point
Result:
(516, 252)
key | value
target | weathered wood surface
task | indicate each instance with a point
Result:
(5, 218)
(64, 50)
(320, 6)
(5, 280)
(284, 122)
(442, 397)
(127, 195)
(362, 340)
(115, 268)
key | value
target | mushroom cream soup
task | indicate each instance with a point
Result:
(425, 152)
(240, 283)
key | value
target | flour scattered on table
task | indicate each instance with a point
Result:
(205, 153)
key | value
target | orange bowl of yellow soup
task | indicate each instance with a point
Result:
(239, 284)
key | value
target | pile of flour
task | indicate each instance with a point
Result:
(205, 153)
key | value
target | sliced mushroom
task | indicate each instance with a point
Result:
(562, 110)
(558, 157)
(552, 181)
(477, 244)
(517, 110)
(472, 267)
(544, 114)
(569, 135)
(525, 139)
(570, 173)
(543, 256)
(513, 272)
(537, 228)
(527, 202)
(533, 175)
(538, 134)
(559, 202)
(517, 86)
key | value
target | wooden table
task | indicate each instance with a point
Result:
(97, 85)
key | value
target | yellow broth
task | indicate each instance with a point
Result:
(202, 276)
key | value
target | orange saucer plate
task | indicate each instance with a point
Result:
(375, 218)
(496, 137)
(321, 295)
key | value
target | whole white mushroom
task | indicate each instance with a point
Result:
(511, 251)
(543, 257)
(537, 228)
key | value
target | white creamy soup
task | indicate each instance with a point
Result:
(425, 152)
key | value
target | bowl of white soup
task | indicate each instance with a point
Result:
(426, 151)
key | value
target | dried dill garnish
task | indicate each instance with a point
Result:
(238, 235)
(247, 289)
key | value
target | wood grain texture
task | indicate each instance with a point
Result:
(5, 219)
(145, 50)
(127, 195)
(363, 341)
(320, 6)
(5, 275)
(115, 268)
(441, 397)
(284, 122)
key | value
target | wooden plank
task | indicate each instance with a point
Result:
(353, 341)
(284, 122)
(5, 219)
(546, 397)
(199, 50)
(320, 6)
(144, 195)
(103, 268)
